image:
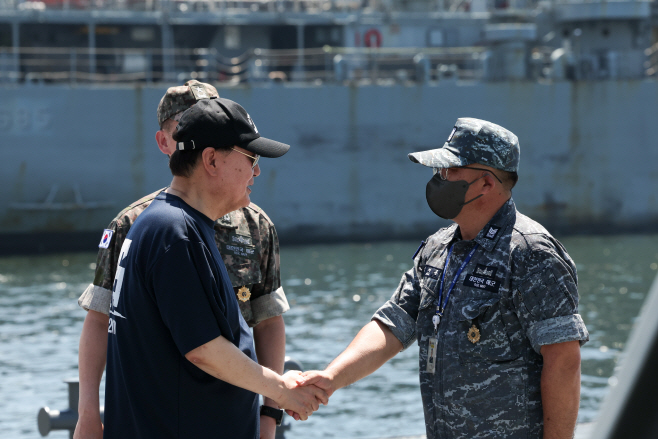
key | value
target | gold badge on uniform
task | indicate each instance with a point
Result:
(474, 334)
(244, 294)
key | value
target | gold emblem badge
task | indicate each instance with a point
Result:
(244, 294)
(474, 334)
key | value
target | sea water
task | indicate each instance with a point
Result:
(333, 291)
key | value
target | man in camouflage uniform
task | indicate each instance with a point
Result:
(492, 301)
(249, 246)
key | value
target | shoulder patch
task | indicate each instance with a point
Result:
(106, 239)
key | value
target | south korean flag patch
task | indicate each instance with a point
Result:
(105, 240)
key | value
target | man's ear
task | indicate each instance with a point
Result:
(161, 138)
(489, 182)
(211, 161)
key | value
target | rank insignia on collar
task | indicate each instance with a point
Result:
(474, 334)
(493, 231)
(244, 294)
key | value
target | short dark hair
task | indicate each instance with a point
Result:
(182, 163)
(169, 125)
(509, 179)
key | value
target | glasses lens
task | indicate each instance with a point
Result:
(255, 161)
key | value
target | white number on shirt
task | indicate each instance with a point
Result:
(118, 278)
(112, 327)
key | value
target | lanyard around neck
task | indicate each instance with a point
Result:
(440, 307)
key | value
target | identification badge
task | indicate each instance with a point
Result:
(431, 354)
(482, 283)
(241, 250)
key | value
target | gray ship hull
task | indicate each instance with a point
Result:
(75, 156)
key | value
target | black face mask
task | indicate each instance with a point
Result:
(446, 198)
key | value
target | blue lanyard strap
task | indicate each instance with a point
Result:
(441, 307)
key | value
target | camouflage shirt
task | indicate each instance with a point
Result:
(517, 293)
(249, 246)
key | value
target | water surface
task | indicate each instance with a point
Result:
(333, 290)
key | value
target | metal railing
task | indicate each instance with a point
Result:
(651, 64)
(229, 6)
(328, 64)
(270, 6)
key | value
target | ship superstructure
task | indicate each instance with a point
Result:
(237, 41)
(352, 85)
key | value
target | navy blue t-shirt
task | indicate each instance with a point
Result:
(171, 295)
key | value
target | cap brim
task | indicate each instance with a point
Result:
(266, 147)
(438, 158)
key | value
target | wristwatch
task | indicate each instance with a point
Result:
(277, 414)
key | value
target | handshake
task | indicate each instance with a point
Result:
(303, 392)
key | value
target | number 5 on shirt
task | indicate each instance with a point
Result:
(118, 278)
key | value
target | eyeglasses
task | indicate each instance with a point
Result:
(443, 172)
(255, 159)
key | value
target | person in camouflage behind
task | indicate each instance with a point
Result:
(492, 301)
(249, 245)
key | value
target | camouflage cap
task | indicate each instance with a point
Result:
(474, 141)
(182, 97)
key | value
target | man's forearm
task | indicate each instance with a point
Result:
(560, 389)
(221, 359)
(91, 361)
(270, 341)
(373, 346)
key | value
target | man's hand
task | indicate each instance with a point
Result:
(319, 378)
(298, 400)
(223, 360)
(373, 346)
(88, 427)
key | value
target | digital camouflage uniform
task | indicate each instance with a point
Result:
(520, 291)
(249, 246)
(517, 293)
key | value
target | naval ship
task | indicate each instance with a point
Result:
(352, 85)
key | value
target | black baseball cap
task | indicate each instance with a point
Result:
(222, 123)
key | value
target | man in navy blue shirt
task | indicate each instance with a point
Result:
(181, 361)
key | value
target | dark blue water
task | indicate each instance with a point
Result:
(333, 290)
